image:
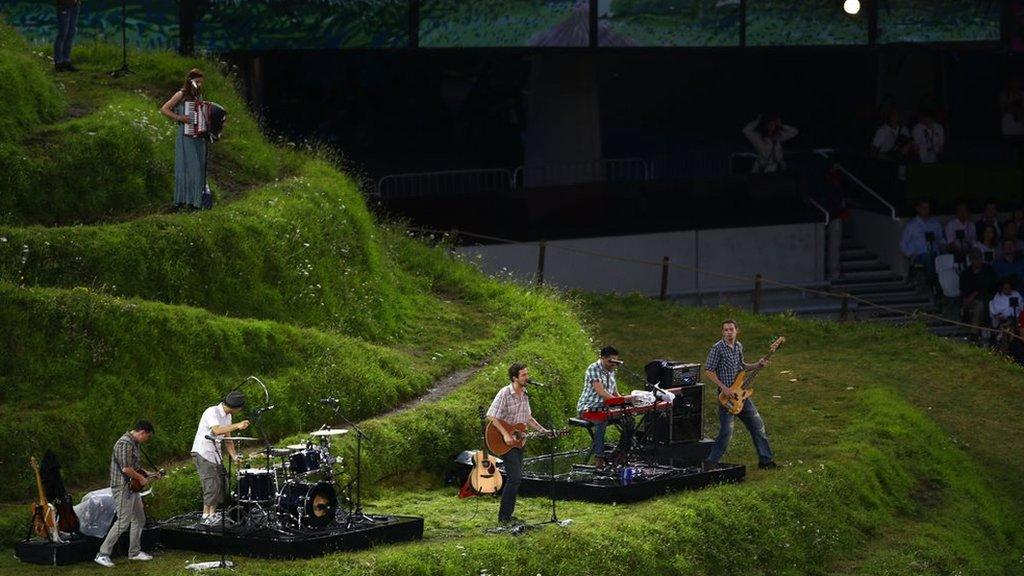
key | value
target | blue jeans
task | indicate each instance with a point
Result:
(755, 425)
(513, 460)
(67, 24)
(625, 425)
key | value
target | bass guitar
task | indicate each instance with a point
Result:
(496, 441)
(484, 478)
(742, 388)
(44, 517)
(137, 486)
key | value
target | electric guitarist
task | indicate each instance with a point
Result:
(512, 406)
(723, 365)
(125, 464)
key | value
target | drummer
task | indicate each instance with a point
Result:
(207, 454)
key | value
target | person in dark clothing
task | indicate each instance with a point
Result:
(67, 25)
(977, 285)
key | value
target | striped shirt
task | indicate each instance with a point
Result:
(589, 398)
(126, 453)
(510, 407)
(725, 362)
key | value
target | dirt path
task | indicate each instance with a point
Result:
(439, 390)
(575, 31)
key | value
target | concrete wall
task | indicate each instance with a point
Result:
(791, 253)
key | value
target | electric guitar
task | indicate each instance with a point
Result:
(44, 517)
(137, 486)
(734, 396)
(484, 478)
(496, 441)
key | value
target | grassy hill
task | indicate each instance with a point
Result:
(894, 459)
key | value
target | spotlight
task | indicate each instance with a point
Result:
(851, 6)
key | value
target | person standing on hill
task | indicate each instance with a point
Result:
(723, 365)
(189, 152)
(67, 24)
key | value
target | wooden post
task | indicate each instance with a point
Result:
(757, 293)
(844, 314)
(540, 262)
(664, 277)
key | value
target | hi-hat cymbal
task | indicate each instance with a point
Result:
(279, 451)
(329, 432)
(237, 438)
(296, 447)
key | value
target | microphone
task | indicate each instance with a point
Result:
(264, 409)
(330, 401)
(616, 361)
(535, 383)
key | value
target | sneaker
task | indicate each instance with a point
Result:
(141, 556)
(104, 560)
(769, 465)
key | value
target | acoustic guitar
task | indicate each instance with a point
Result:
(484, 478)
(137, 486)
(496, 441)
(44, 517)
(742, 388)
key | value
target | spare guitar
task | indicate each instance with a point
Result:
(137, 486)
(742, 388)
(44, 517)
(484, 478)
(496, 441)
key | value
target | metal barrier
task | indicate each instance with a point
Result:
(447, 183)
(603, 170)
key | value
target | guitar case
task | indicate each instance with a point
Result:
(56, 493)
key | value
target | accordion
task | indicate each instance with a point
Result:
(205, 120)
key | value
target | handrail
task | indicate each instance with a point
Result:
(828, 218)
(424, 175)
(606, 165)
(824, 152)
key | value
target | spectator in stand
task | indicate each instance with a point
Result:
(1011, 106)
(929, 137)
(990, 217)
(1018, 217)
(892, 140)
(977, 286)
(766, 135)
(960, 232)
(923, 238)
(1007, 264)
(988, 244)
(1003, 308)
(1011, 232)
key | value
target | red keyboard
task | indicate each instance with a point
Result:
(620, 406)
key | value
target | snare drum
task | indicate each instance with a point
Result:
(256, 485)
(308, 504)
(308, 459)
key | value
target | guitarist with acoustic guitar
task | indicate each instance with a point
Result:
(512, 406)
(126, 470)
(724, 365)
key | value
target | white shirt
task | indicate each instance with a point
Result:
(967, 226)
(1000, 305)
(208, 449)
(930, 141)
(886, 137)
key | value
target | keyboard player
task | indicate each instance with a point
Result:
(598, 386)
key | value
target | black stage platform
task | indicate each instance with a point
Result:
(640, 479)
(77, 548)
(265, 540)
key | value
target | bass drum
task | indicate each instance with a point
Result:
(310, 505)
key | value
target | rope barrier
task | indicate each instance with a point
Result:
(916, 314)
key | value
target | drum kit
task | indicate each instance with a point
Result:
(297, 486)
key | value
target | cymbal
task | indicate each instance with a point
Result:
(278, 451)
(296, 447)
(329, 432)
(237, 438)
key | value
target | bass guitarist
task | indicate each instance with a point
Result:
(124, 467)
(512, 405)
(724, 364)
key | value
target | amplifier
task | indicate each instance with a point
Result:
(687, 420)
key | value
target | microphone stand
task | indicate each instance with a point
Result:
(551, 491)
(355, 507)
(123, 70)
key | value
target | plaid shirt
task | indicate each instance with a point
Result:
(725, 362)
(510, 407)
(126, 453)
(589, 397)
